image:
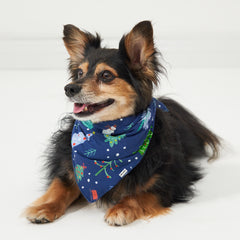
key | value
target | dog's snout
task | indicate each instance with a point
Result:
(72, 89)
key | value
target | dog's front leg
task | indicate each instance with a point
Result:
(142, 205)
(53, 203)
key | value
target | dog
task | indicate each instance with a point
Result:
(108, 86)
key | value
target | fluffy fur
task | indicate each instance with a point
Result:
(168, 170)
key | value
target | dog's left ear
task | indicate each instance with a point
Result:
(138, 45)
(77, 41)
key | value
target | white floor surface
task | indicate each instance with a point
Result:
(31, 104)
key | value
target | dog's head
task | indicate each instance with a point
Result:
(108, 84)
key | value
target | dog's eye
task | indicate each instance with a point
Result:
(106, 76)
(80, 73)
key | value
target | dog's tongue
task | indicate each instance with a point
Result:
(78, 107)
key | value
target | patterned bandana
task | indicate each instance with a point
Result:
(105, 152)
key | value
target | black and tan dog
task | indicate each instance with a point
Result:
(109, 84)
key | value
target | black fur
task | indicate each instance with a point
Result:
(59, 153)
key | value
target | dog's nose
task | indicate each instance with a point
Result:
(72, 89)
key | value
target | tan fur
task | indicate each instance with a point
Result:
(149, 184)
(53, 203)
(120, 191)
(118, 89)
(139, 46)
(103, 66)
(141, 206)
(124, 97)
(75, 41)
(84, 67)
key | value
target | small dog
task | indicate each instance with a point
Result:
(109, 86)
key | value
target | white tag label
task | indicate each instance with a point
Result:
(123, 172)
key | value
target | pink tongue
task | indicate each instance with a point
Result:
(78, 107)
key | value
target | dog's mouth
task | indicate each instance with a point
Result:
(85, 109)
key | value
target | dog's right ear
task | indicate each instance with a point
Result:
(77, 41)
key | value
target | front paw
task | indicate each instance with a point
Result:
(43, 213)
(120, 215)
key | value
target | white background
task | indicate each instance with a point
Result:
(200, 42)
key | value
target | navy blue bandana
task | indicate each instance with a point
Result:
(103, 153)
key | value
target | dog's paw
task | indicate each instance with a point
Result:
(44, 213)
(119, 215)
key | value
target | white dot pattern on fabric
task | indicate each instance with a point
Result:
(117, 154)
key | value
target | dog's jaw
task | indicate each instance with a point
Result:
(118, 109)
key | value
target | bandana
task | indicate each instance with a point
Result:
(105, 152)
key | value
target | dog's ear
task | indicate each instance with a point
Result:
(138, 45)
(77, 41)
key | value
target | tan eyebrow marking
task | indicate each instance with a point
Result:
(84, 67)
(103, 66)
